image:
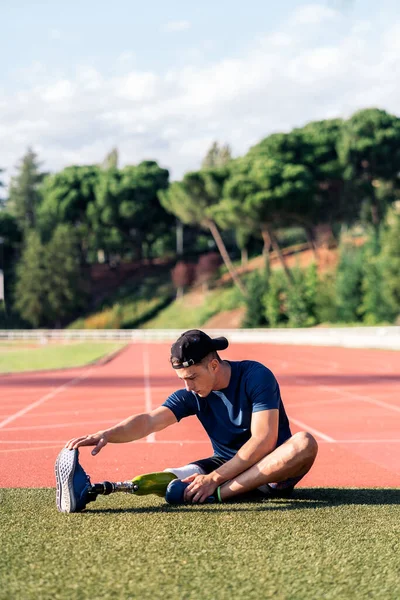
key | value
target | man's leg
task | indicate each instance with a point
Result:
(74, 489)
(294, 458)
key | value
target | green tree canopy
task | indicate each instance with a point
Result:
(264, 193)
(127, 205)
(369, 149)
(66, 197)
(315, 148)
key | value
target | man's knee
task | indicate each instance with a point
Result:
(305, 443)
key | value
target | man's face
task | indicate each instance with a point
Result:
(199, 378)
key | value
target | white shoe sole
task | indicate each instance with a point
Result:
(64, 470)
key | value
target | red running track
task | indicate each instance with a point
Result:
(349, 399)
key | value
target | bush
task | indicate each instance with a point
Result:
(391, 263)
(301, 297)
(274, 300)
(257, 286)
(325, 301)
(349, 284)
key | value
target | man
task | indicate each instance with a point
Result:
(239, 406)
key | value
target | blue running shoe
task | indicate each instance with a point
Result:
(72, 483)
(175, 492)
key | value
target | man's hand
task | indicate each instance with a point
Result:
(200, 488)
(99, 440)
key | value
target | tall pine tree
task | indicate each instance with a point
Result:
(24, 197)
(31, 286)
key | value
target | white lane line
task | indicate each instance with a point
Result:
(143, 441)
(43, 399)
(30, 449)
(360, 397)
(60, 425)
(72, 412)
(384, 441)
(151, 438)
(314, 403)
(323, 436)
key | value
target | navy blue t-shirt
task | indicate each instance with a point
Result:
(226, 414)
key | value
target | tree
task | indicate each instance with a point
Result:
(217, 156)
(24, 197)
(111, 160)
(315, 148)
(31, 286)
(127, 202)
(10, 240)
(369, 150)
(49, 287)
(192, 200)
(66, 293)
(260, 193)
(2, 198)
(66, 198)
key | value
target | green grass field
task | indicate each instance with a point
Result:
(322, 544)
(17, 357)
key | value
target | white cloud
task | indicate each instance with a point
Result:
(126, 57)
(55, 34)
(57, 92)
(313, 14)
(173, 26)
(285, 79)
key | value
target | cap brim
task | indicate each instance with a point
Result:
(220, 343)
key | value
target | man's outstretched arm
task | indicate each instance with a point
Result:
(132, 428)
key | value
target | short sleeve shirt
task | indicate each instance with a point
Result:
(226, 414)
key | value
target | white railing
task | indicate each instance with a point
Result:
(350, 337)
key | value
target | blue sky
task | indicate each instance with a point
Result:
(163, 79)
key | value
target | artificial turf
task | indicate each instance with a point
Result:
(321, 544)
(18, 358)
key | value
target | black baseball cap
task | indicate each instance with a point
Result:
(192, 346)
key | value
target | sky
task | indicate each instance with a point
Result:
(162, 80)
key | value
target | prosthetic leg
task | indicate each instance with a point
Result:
(142, 485)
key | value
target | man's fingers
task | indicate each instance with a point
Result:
(73, 443)
(190, 478)
(101, 443)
